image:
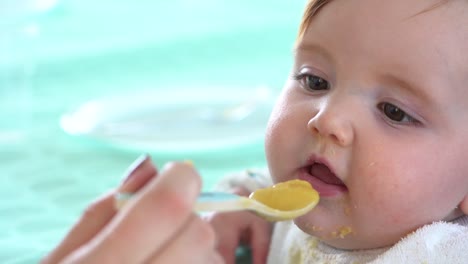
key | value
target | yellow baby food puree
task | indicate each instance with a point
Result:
(287, 196)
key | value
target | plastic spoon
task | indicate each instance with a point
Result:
(283, 201)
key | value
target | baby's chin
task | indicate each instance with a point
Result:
(340, 236)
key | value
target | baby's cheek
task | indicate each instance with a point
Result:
(375, 209)
(391, 218)
(382, 192)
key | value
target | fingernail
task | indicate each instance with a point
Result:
(188, 162)
(134, 167)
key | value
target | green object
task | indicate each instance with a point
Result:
(243, 255)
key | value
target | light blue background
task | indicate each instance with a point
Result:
(82, 50)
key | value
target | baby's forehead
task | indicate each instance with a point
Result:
(442, 23)
(430, 45)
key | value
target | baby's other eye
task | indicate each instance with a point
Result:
(312, 82)
(395, 114)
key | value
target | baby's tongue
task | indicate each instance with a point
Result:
(324, 174)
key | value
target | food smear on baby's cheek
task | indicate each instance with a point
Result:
(342, 232)
(316, 228)
(287, 196)
(312, 228)
(347, 208)
(347, 211)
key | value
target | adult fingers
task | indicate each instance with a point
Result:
(148, 221)
(195, 243)
(100, 212)
(260, 240)
(244, 228)
(228, 239)
(96, 216)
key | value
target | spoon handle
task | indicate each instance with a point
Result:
(220, 202)
(206, 202)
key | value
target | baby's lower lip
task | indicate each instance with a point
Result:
(324, 189)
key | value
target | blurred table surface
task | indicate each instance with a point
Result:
(83, 49)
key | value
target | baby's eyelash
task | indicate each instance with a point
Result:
(311, 82)
(298, 76)
(397, 115)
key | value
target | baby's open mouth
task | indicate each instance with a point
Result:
(323, 173)
(322, 178)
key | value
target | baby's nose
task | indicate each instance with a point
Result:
(332, 125)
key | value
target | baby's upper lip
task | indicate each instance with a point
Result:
(313, 159)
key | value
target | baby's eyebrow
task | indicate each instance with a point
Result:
(313, 48)
(430, 8)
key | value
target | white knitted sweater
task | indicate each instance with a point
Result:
(439, 242)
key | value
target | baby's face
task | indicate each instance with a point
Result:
(380, 99)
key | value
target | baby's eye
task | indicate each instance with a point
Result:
(312, 82)
(395, 114)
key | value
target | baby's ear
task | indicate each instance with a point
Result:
(464, 205)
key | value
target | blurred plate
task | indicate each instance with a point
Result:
(175, 120)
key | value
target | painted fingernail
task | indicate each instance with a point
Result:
(134, 167)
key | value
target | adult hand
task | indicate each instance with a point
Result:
(156, 226)
(244, 228)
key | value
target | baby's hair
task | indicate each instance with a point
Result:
(313, 6)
